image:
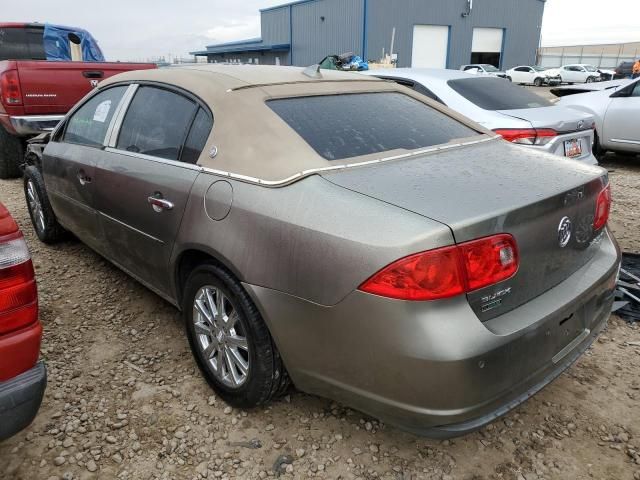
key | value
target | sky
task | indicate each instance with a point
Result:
(145, 29)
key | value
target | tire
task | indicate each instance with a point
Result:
(43, 219)
(590, 79)
(598, 151)
(11, 154)
(265, 376)
(538, 82)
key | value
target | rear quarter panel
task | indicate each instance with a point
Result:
(311, 239)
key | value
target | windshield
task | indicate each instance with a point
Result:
(489, 68)
(590, 68)
(490, 93)
(351, 125)
(539, 69)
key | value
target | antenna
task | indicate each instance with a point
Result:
(313, 71)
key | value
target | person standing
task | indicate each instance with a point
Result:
(636, 69)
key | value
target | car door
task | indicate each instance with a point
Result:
(570, 74)
(522, 75)
(621, 127)
(69, 163)
(145, 176)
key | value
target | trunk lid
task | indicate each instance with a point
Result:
(560, 119)
(492, 188)
(50, 87)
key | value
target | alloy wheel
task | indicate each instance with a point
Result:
(35, 206)
(220, 336)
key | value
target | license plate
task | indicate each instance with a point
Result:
(572, 148)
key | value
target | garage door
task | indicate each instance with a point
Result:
(430, 46)
(487, 46)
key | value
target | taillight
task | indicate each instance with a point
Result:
(447, 272)
(603, 207)
(18, 293)
(489, 260)
(10, 92)
(527, 136)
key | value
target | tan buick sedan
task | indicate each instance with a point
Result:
(338, 231)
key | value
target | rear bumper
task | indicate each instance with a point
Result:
(585, 137)
(20, 399)
(433, 368)
(34, 124)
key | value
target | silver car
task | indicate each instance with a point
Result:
(520, 116)
(339, 232)
(616, 109)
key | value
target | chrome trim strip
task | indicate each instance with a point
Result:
(630, 142)
(151, 158)
(30, 124)
(306, 173)
(131, 228)
(116, 122)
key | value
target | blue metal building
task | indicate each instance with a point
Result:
(419, 33)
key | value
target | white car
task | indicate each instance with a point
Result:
(616, 111)
(519, 115)
(533, 75)
(578, 73)
(483, 69)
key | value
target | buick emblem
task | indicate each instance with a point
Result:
(564, 232)
(94, 83)
(580, 124)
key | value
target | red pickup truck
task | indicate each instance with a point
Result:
(44, 71)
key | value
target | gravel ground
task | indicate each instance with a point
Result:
(125, 399)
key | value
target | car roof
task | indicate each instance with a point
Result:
(438, 74)
(252, 142)
(235, 76)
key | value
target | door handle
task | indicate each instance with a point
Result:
(83, 178)
(159, 204)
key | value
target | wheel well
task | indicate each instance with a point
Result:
(187, 262)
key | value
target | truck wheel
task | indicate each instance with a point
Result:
(43, 219)
(229, 339)
(11, 154)
(538, 82)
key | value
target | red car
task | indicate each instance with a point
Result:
(23, 378)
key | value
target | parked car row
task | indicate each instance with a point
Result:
(317, 205)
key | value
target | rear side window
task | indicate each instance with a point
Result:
(351, 125)
(156, 123)
(197, 137)
(21, 43)
(496, 94)
(89, 124)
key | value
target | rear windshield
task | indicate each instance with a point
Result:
(350, 125)
(497, 94)
(21, 43)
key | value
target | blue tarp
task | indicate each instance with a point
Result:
(57, 45)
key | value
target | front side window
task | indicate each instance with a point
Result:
(156, 123)
(351, 125)
(89, 124)
(491, 93)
